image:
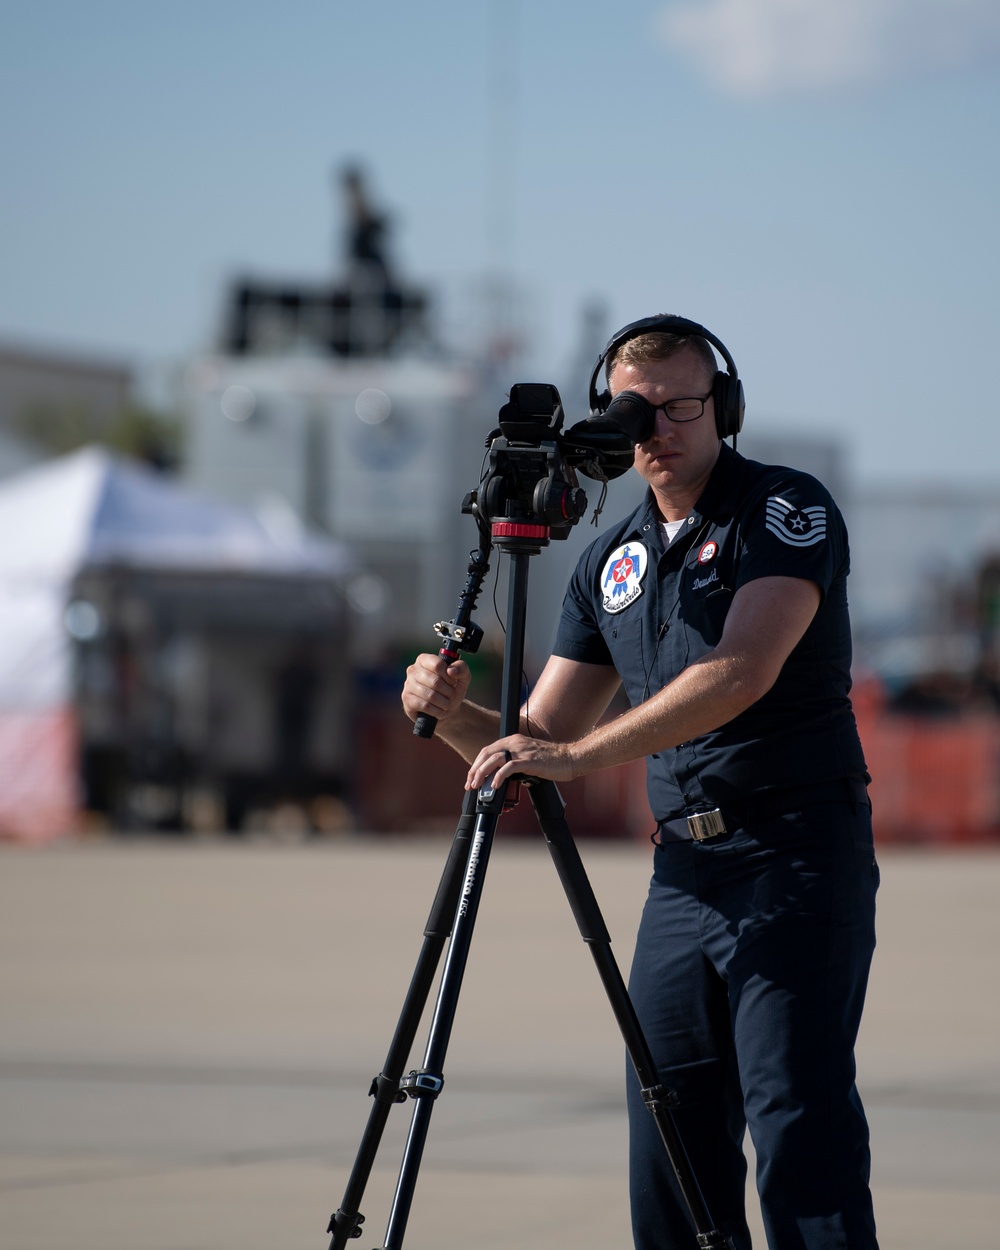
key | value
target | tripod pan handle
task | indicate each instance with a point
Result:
(424, 725)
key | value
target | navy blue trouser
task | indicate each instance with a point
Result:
(749, 979)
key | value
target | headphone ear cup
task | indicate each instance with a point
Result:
(599, 403)
(727, 392)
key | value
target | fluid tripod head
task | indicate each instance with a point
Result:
(531, 477)
(529, 494)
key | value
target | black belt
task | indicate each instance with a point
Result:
(705, 825)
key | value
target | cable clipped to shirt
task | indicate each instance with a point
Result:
(659, 638)
(661, 634)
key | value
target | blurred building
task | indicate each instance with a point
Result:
(376, 452)
(333, 404)
(920, 565)
(50, 401)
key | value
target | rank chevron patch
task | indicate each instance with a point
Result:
(799, 527)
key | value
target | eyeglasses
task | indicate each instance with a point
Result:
(637, 416)
(684, 409)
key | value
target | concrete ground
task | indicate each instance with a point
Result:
(188, 1032)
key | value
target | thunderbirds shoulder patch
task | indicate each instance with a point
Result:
(621, 577)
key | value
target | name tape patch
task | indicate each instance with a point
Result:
(799, 527)
(621, 577)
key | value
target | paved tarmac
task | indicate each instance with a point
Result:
(188, 1032)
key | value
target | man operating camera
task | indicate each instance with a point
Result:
(720, 604)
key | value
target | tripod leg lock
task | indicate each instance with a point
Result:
(656, 1096)
(421, 1084)
(347, 1226)
(383, 1084)
(714, 1241)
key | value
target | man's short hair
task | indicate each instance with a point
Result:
(659, 345)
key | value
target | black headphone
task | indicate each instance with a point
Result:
(635, 414)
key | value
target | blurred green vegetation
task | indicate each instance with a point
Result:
(137, 431)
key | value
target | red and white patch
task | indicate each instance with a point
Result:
(621, 577)
(708, 552)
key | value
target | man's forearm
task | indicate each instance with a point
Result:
(469, 729)
(706, 695)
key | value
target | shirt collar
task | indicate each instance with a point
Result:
(722, 489)
(717, 499)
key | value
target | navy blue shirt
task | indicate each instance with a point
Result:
(651, 611)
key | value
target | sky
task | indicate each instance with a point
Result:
(814, 180)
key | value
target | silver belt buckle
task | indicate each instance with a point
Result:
(705, 825)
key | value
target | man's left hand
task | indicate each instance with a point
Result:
(532, 757)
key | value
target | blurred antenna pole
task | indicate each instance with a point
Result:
(503, 330)
(592, 335)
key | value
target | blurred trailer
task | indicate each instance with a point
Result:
(167, 661)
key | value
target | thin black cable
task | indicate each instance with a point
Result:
(496, 605)
(656, 649)
(699, 534)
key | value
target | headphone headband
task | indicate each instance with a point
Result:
(727, 388)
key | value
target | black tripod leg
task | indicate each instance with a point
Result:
(346, 1223)
(425, 1085)
(550, 809)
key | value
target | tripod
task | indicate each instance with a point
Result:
(453, 916)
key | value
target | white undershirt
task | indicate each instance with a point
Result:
(670, 531)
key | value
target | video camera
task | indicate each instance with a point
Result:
(531, 476)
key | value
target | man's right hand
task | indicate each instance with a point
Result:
(434, 687)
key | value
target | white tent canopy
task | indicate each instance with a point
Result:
(93, 508)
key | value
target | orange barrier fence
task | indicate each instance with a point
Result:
(39, 790)
(934, 781)
(405, 784)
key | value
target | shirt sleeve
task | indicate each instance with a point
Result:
(579, 636)
(794, 529)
